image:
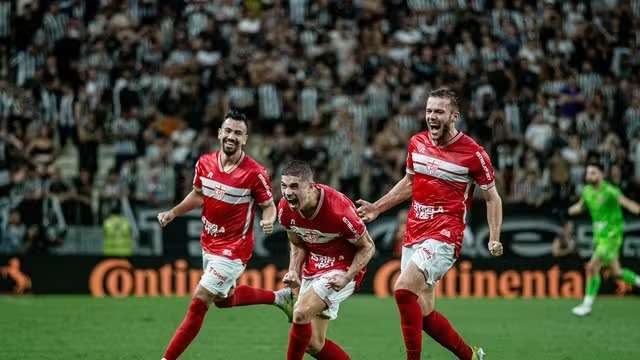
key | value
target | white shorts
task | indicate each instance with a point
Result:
(220, 274)
(331, 297)
(434, 258)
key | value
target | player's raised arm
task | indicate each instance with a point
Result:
(494, 219)
(629, 204)
(193, 200)
(365, 250)
(400, 192)
(268, 216)
(576, 208)
(296, 258)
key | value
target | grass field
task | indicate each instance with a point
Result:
(80, 327)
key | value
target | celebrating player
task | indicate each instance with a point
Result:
(442, 166)
(604, 202)
(227, 184)
(331, 246)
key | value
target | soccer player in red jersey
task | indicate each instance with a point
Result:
(442, 166)
(227, 185)
(330, 247)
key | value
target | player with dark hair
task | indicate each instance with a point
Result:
(227, 185)
(604, 202)
(330, 247)
(442, 166)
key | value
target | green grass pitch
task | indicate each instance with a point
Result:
(80, 327)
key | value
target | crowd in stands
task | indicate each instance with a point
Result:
(131, 92)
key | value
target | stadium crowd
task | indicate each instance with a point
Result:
(134, 91)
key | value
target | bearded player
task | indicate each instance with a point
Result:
(227, 185)
(330, 247)
(604, 202)
(443, 164)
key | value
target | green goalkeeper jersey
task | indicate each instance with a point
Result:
(605, 210)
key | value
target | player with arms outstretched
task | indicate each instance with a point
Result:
(330, 247)
(442, 166)
(604, 202)
(227, 185)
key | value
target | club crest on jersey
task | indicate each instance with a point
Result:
(218, 193)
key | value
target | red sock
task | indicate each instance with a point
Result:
(246, 295)
(299, 338)
(331, 351)
(188, 329)
(411, 322)
(439, 328)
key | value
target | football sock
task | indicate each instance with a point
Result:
(593, 285)
(630, 277)
(331, 351)
(410, 322)
(439, 328)
(299, 338)
(188, 329)
(246, 295)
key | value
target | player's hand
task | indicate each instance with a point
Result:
(337, 282)
(266, 226)
(367, 211)
(291, 279)
(495, 248)
(166, 217)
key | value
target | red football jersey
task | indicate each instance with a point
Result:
(229, 204)
(443, 184)
(328, 235)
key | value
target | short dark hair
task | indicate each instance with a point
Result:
(447, 93)
(299, 169)
(236, 115)
(596, 164)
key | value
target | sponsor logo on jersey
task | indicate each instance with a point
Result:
(487, 173)
(265, 184)
(350, 226)
(211, 228)
(426, 212)
(445, 232)
(322, 261)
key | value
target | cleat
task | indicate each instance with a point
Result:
(478, 353)
(285, 299)
(581, 310)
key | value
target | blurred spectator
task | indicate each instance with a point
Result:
(113, 80)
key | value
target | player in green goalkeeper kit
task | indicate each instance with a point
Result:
(604, 202)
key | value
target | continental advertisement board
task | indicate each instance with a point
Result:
(507, 277)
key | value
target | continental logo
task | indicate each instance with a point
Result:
(13, 273)
(119, 278)
(464, 281)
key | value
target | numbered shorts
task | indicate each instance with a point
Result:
(434, 258)
(220, 274)
(331, 297)
(608, 249)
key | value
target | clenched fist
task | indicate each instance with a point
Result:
(166, 217)
(291, 279)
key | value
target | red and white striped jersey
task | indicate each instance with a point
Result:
(229, 204)
(443, 185)
(328, 235)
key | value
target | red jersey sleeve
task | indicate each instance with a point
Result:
(282, 214)
(261, 190)
(410, 150)
(197, 183)
(482, 170)
(353, 227)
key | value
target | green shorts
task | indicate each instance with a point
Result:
(607, 249)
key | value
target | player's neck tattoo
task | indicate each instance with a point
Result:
(312, 203)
